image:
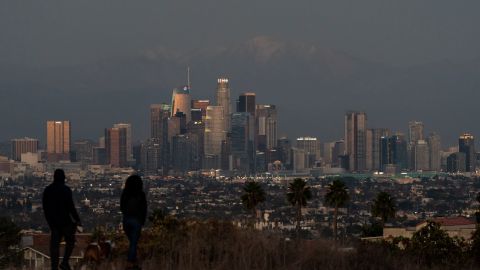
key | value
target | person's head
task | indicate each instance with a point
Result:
(133, 184)
(59, 176)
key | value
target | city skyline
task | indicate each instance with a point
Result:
(405, 129)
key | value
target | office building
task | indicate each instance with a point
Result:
(83, 151)
(182, 102)
(421, 154)
(58, 141)
(241, 145)
(434, 147)
(223, 100)
(151, 156)
(393, 151)
(246, 103)
(266, 123)
(311, 148)
(338, 153)
(373, 148)
(200, 105)
(415, 132)
(355, 140)
(456, 162)
(466, 145)
(129, 147)
(215, 131)
(116, 147)
(23, 145)
(159, 113)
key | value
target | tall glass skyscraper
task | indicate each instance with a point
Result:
(215, 131)
(182, 102)
(223, 99)
(466, 144)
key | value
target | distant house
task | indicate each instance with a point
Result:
(36, 253)
(454, 226)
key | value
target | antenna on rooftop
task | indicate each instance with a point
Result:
(188, 77)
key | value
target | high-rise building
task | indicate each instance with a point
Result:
(415, 132)
(456, 162)
(58, 140)
(23, 145)
(266, 118)
(355, 140)
(158, 115)
(284, 147)
(393, 151)
(151, 156)
(215, 131)
(116, 146)
(83, 151)
(421, 156)
(466, 144)
(183, 154)
(327, 153)
(241, 145)
(128, 130)
(311, 148)
(223, 99)
(182, 102)
(373, 147)
(246, 103)
(200, 104)
(434, 146)
(338, 153)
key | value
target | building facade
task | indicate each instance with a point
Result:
(58, 140)
(355, 140)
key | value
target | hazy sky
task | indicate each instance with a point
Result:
(94, 46)
(396, 32)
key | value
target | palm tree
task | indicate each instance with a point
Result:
(384, 207)
(337, 196)
(298, 194)
(254, 194)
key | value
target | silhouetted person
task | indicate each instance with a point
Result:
(62, 218)
(133, 205)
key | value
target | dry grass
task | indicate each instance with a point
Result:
(198, 245)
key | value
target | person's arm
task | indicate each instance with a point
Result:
(46, 207)
(71, 208)
(144, 209)
(122, 203)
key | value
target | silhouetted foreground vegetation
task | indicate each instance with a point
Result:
(190, 244)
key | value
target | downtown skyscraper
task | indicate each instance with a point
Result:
(182, 102)
(466, 145)
(116, 146)
(223, 100)
(58, 141)
(355, 140)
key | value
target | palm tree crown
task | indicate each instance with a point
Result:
(337, 196)
(298, 194)
(254, 194)
(384, 206)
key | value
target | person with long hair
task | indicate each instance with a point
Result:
(133, 204)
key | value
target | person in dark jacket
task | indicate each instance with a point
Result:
(133, 205)
(62, 218)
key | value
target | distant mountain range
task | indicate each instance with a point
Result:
(312, 86)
